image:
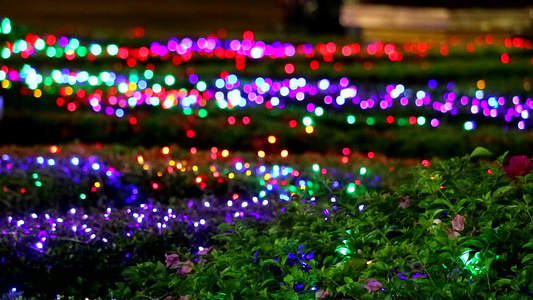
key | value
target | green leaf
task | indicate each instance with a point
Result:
(527, 257)
(488, 262)
(379, 265)
(502, 282)
(160, 270)
(502, 191)
(528, 244)
(267, 282)
(356, 264)
(475, 243)
(442, 201)
(502, 157)
(480, 152)
(348, 280)
(288, 279)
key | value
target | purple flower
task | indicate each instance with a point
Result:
(518, 165)
(373, 285)
(205, 251)
(172, 260)
(321, 294)
(458, 223)
(418, 267)
(186, 268)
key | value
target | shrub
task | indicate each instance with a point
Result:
(458, 230)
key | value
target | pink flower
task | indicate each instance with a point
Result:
(205, 251)
(405, 202)
(372, 285)
(186, 268)
(172, 260)
(458, 223)
(518, 165)
(321, 294)
(452, 234)
(202, 261)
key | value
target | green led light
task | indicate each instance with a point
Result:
(351, 119)
(370, 121)
(82, 51)
(262, 194)
(40, 44)
(202, 113)
(21, 46)
(35, 175)
(421, 121)
(132, 102)
(38, 184)
(170, 80)
(351, 188)
(362, 171)
(201, 86)
(6, 53)
(93, 80)
(6, 26)
(343, 250)
(59, 52)
(134, 78)
(402, 121)
(50, 51)
(222, 104)
(156, 88)
(187, 111)
(112, 50)
(316, 167)
(148, 74)
(96, 49)
(469, 125)
(74, 44)
(307, 121)
(83, 196)
(319, 111)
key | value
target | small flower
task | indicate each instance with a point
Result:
(417, 267)
(405, 202)
(518, 165)
(458, 223)
(186, 297)
(172, 260)
(321, 294)
(205, 251)
(437, 221)
(202, 261)
(473, 231)
(452, 234)
(186, 268)
(373, 285)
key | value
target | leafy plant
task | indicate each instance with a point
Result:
(459, 230)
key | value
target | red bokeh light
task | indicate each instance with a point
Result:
(289, 68)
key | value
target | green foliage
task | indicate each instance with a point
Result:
(405, 240)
